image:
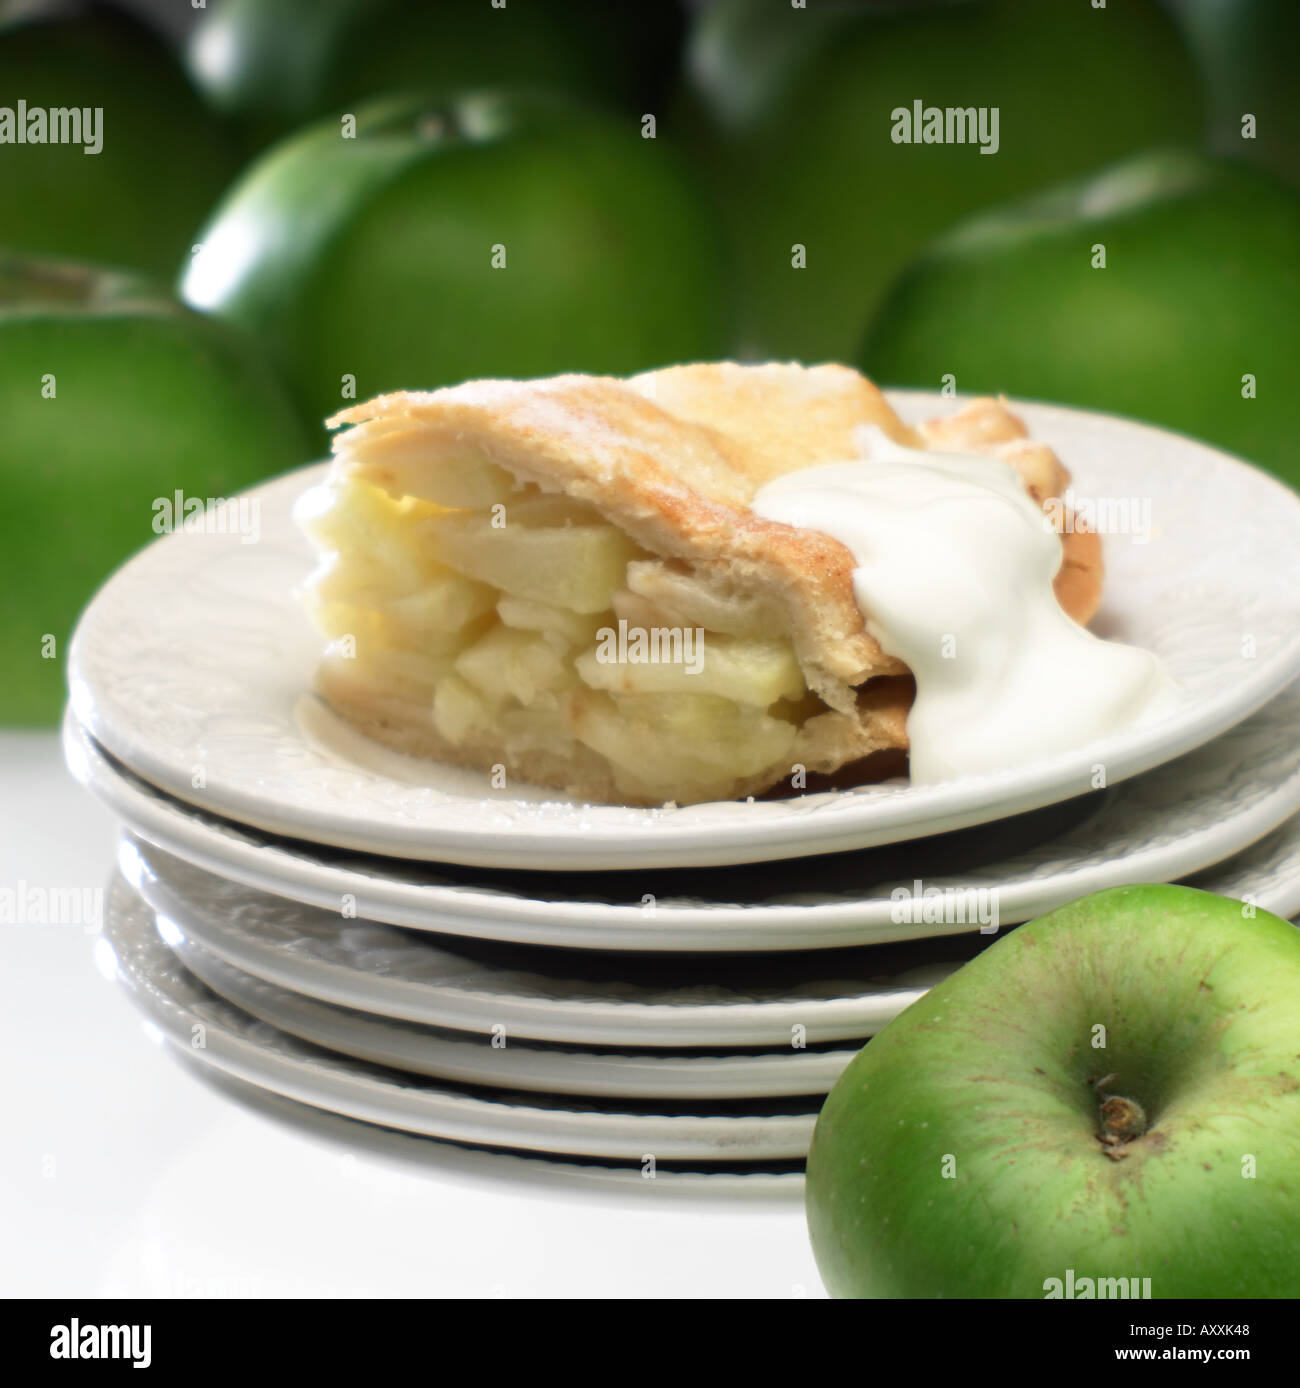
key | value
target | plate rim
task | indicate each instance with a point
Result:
(678, 841)
(516, 918)
(422, 1105)
(576, 1020)
(601, 1071)
(599, 1021)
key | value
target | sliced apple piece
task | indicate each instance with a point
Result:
(571, 566)
(404, 464)
(510, 664)
(377, 628)
(361, 578)
(694, 600)
(572, 628)
(448, 602)
(346, 513)
(667, 746)
(459, 710)
(536, 730)
(369, 540)
(538, 509)
(438, 599)
(747, 672)
(637, 611)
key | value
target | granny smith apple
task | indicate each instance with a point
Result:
(1109, 1092)
(149, 160)
(800, 144)
(1248, 51)
(1167, 288)
(113, 398)
(275, 64)
(485, 235)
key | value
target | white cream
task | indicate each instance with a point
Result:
(954, 574)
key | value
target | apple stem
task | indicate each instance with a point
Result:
(1122, 1120)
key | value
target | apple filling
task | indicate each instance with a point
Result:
(580, 582)
(495, 624)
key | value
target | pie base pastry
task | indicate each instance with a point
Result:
(480, 544)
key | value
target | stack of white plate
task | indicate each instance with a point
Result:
(398, 942)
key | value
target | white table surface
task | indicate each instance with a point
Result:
(123, 1173)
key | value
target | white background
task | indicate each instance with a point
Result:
(123, 1172)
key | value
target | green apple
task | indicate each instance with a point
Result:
(276, 64)
(799, 139)
(1112, 1091)
(1190, 322)
(113, 397)
(1247, 50)
(490, 235)
(162, 160)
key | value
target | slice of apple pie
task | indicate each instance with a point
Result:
(563, 578)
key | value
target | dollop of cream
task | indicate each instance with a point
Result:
(954, 570)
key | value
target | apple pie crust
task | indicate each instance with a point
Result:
(481, 544)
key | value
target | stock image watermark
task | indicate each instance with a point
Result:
(1073, 1288)
(1103, 515)
(922, 905)
(919, 124)
(31, 903)
(214, 515)
(73, 1340)
(53, 125)
(636, 645)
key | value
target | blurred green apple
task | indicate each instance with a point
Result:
(794, 113)
(163, 158)
(482, 235)
(1190, 323)
(1248, 50)
(1111, 1092)
(276, 64)
(113, 398)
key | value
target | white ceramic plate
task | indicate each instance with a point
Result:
(475, 1059)
(182, 1008)
(1178, 819)
(580, 998)
(706, 1185)
(191, 665)
(591, 999)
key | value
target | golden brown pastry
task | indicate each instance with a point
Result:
(486, 545)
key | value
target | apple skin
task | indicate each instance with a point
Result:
(165, 157)
(373, 256)
(149, 397)
(992, 1067)
(274, 65)
(789, 110)
(1201, 286)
